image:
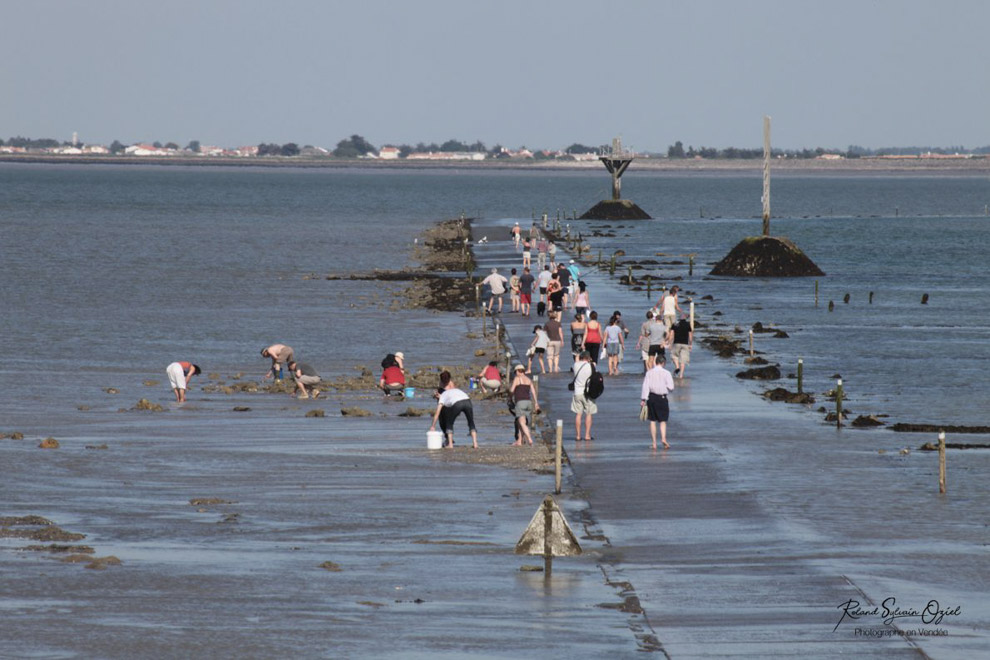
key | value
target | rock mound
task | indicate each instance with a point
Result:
(766, 256)
(615, 209)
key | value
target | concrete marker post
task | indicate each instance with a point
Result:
(508, 363)
(800, 375)
(941, 462)
(692, 316)
(557, 455)
(838, 403)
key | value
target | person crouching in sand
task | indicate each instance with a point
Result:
(179, 374)
(451, 403)
(304, 375)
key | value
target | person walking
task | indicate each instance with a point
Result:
(556, 334)
(304, 375)
(555, 294)
(614, 341)
(669, 306)
(496, 283)
(657, 383)
(450, 404)
(279, 354)
(581, 406)
(582, 303)
(514, 291)
(564, 277)
(593, 338)
(617, 315)
(683, 343)
(643, 343)
(538, 348)
(527, 254)
(516, 234)
(543, 281)
(657, 332)
(575, 272)
(179, 374)
(541, 253)
(578, 328)
(552, 254)
(524, 399)
(526, 281)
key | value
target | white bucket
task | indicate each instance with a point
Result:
(434, 440)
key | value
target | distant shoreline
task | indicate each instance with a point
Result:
(917, 166)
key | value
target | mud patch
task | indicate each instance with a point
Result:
(902, 427)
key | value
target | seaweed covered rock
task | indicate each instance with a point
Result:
(766, 256)
(615, 209)
(771, 372)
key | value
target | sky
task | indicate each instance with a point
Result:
(542, 74)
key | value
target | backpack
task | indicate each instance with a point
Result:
(389, 361)
(595, 385)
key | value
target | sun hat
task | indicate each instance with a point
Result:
(400, 355)
(519, 367)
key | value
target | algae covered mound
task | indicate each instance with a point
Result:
(615, 209)
(766, 256)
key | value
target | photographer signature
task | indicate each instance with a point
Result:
(888, 611)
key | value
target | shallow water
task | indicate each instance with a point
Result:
(110, 273)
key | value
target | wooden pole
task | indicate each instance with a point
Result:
(557, 456)
(838, 403)
(800, 375)
(611, 267)
(871, 297)
(477, 297)
(629, 275)
(599, 260)
(691, 265)
(692, 316)
(536, 397)
(484, 321)
(547, 532)
(751, 343)
(649, 287)
(766, 175)
(816, 293)
(941, 462)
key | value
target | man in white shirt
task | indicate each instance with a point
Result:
(543, 280)
(497, 285)
(656, 385)
(579, 404)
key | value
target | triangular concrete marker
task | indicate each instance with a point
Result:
(563, 543)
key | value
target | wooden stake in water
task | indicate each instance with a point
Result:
(484, 321)
(838, 403)
(800, 375)
(816, 293)
(629, 276)
(547, 531)
(750, 343)
(941, 462)
(611, 267)
(536, 397)
(871, 297)
(599, 260)
(557, 456)
(649, 287)
(690, 265)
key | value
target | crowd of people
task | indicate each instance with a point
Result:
(559, 289)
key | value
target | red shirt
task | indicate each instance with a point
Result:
(393, 375)
(491, 373)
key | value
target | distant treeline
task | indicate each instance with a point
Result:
(356, 146)
(677, 150)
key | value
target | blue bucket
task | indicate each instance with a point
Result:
(409, 392)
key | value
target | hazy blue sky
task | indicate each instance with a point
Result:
(831, 73)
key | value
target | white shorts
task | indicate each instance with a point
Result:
(176, 376)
